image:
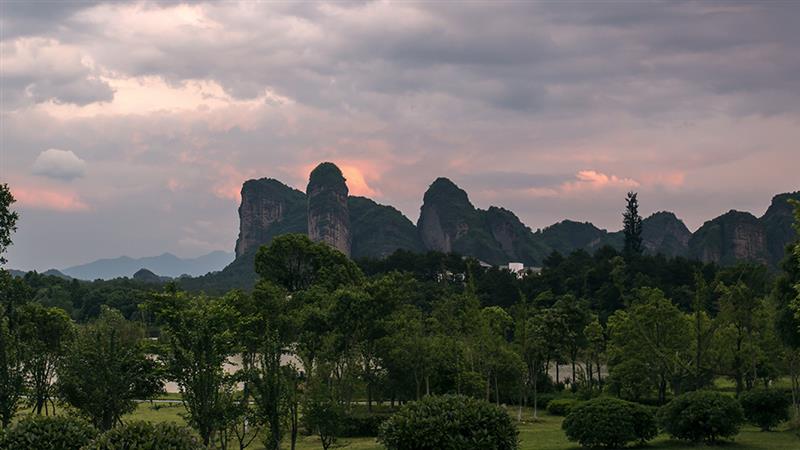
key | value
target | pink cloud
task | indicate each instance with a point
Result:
(229, 184)
(173, 184)
(356, 181)
(594, 180)
(46, 199)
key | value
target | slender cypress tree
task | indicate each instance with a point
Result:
(632, 226)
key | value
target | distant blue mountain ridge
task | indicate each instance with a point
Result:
(165, 265)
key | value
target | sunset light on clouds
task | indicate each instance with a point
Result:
(149, 116)
(36, 198)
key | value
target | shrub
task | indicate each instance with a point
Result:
(609, 422)
(765, 409)
(453, 422)
(362, 425)
(702, 416)
(147, 436)
(543, 400)
(561, 406)
(48, 433)
(645, 425)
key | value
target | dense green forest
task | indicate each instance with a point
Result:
(330, 346)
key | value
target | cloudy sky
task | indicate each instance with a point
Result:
(128, 128)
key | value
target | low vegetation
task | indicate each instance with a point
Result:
(766, 408)
(140, 435)
(48, 433)
(453, 422)
(702, 416)
(610, 423)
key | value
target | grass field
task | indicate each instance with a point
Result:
(544, 434)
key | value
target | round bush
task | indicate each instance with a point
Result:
(609, 422)
(147, 436)
(765, 409)
(48, 433)
(702, 416)
(561, 406)
(453, 422)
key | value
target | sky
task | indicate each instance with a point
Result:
(128, 128)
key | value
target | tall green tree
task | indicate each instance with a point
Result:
(14, 293)
(632, 226)
(649, 345)
(275, 324)
(501, 365)
(295, 262)
(701, 371)
(530, 341)
(355, 330)
(575, 316)
(246, 421)
(107, 369)
(8, 220)
(45, 333)
(385, 295)
(11, 357)
(199, 340)
(410, 348)
(787, 320)
(295, 308)
(595, 351)
(738, 307)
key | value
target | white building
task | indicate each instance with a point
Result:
(517, 268)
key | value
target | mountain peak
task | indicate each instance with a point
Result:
(147, 276)
(326, 173)
(445, 191)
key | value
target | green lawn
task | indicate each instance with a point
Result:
(544, 434)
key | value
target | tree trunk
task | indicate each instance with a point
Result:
(589, 373)
(294, 424)
(418, 384)
(572, 381)
(737, 367)
(558, 378)
(496, 391)
(599, 377)
(535, 396)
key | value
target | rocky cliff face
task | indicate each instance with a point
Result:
(664, 233)
(568, 235)
(328, 213)
(731, 237)
(448, 222)
(777, 223)
(378, 230)
(445, 215)
(515, 239)
(269, 208)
